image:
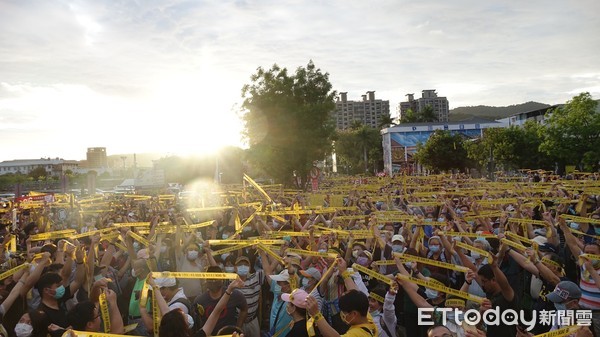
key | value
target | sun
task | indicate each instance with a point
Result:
(201, 108)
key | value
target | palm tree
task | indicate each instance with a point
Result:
(427, 115)
(355, 125)
(386, 121)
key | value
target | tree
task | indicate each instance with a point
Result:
(359, 149)
(385, 121)
(572, 133)
(426, 115)
(287, 119)
(443, 151)
(38, 172)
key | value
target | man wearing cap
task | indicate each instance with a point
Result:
(565, 296)
(251, 290)
(173, 294)
(310, 277)
(279, 322)
(296, 308)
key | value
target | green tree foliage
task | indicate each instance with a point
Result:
(427, 115)
(511, 148)
(443, 151)
(385, 121)
(572, 133)
(38, 173)
(287, 118)
(358, 150)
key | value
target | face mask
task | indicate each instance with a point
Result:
(380, 227)
(247, 229)
(560, 306)
(431, 294)
(397, 248)
(597, 230)
(225, 236)
(375, 313)
(475, 255)
(192, 255)
(408, 265)
(540, 232)
(428, 220)
(434, 248)
(229, 269)
(136, 246)
(243, 270)
(163, 249)
(133, 274)
(98, 277)
(305, 282)
(355, 254)
(363, 261)
(190, 321)
(322, 250)
(496, 231)
(441, 219)
(60, 292)
(224, 256)
(275, 225)
(453, 318)
(23, 330)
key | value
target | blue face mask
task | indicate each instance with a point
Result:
(243, 270)
(434, 248)
(574, 225)
(397, 248)
(597, 230)
(59, 292)
(305, 282)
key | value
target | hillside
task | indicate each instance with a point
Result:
(492, 112)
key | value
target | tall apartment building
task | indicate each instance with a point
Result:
(369, 111)
(428, 97)
(96, 157)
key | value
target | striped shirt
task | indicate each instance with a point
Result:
(251, 291)
(590, 294)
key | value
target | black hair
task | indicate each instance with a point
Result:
(355, 300)
(40, 322)
(214, 269)
(81, 314)
(47, 280)
(174, 324)
(486, 271)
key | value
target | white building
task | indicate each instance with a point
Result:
(439, 105)
(54, 167)
(368, 111)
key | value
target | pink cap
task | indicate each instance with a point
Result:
(297, 297)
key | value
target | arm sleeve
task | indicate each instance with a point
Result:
(360, 285)
(389, 312)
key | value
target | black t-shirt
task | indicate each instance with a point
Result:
(228, 316)
(502, 330)
(298, 330)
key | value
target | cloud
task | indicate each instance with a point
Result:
(140, 60)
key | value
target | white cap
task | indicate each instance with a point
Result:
(143, 254)
(398, 237)
(540, 240)
(165, 282)
(284, 276)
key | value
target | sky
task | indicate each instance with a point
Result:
(138, 76)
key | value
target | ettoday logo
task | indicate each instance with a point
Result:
(497, 317)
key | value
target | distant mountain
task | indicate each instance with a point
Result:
(492, 112)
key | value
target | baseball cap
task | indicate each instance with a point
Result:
(165, 282)
(359, 243)
(367, 254)
(242, 259)
(311, 272)
(296, 255)
(564, 291)
(398, 237)
(143, 254)
(284, 276)
(297, 297)
(540, 240)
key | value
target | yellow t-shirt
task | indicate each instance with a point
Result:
(362, 330)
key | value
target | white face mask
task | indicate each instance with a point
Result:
(431, 294)
(133, 274)
(163, 249)
(230, 269)
(23, 330)
(192, 255)
(355, 253)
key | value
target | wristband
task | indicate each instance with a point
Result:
(346, 274)
(317, 317)
(469, 283)
(78, 262)
(228, 293)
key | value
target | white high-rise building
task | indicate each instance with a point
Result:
(369, 111)
(428, 97)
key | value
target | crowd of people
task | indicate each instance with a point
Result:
(402, 256)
